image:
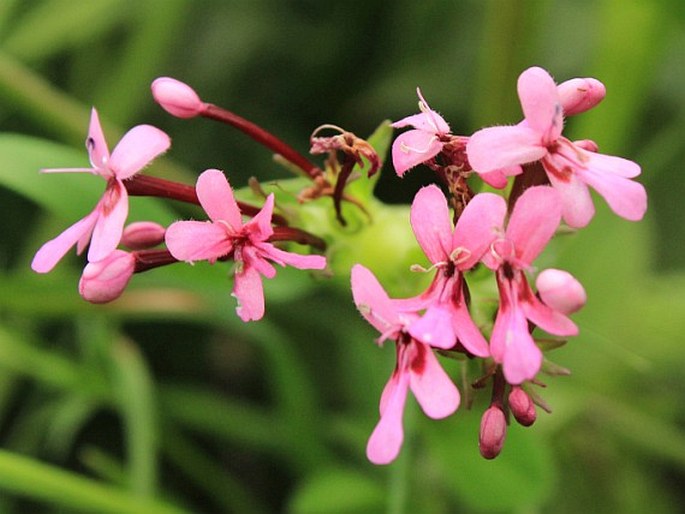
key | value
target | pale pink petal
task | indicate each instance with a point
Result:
(576, 203)
(478, 226)
(248, 290)
(413, 148)
(96, 144)
(535, 218)
(259, 227)
(192, 241)
(540, 103)
(494, 148)
(580, 94)
(433, 389)
(372, 300)
(612, 165)
(425, 123)
(137, 149)
(468, 333)
(216, 197)
(386, 440)
(496, 178)
(546, 318)
(522, 358)
(389, 389)
(251, 257)
(52, 252)
(430, 220)
(109, 227)
(627, 198)
(560, 290)
(291, 259)
(435, 328)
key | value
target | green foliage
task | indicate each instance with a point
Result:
(163, 401)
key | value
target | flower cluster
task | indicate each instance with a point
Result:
(552, 175)
(458, 230)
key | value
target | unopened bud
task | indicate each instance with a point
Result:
(493, 431)
(105, 280)
(522, 407)
(580, 95)
(177, 98)
(587, 144)
(560, 290)
(141, 235)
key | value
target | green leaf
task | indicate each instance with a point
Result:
(27, 477)
(337, 491)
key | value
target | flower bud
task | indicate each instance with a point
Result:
(580, 95)
(560, 291)
(493, 430)
(522, 407)
(141, 235)
(105, 280)
(177, 98)
(587, 144)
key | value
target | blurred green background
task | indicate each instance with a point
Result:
(165, 402)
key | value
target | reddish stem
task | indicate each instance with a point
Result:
(150, 259)
(298, 236)
(261, 136)
(146, 185)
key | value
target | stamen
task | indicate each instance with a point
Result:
(408, 149)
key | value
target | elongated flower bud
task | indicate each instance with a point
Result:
(580, 95)
(493, 431)
(141, 235)
(176, 97)
(522, 407)
(105, 280)
(560, 290)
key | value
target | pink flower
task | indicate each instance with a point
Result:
(104, 225)
(227, 235)
(176, 97)
(569, 167)
(421, 143)
(532, 224)
(105, 280)
(452, 251)
(560, 290)
(417, 368)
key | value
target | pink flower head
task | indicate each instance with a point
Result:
(452, 251)
(532, 224)
(417, 368)
(104, 225)
(569, 167)
(423, 142)
(226, 234)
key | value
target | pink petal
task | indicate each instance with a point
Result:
(534, 220)
(96, 144)
(611, 165)
(430, 220)
(627, 198)
(390, 387)
(259, 227)
(522, 358)
(192, 241)
(292, 259)
(413, 148)
(434, 328)
(478, 226)
(251, 257)
(386, 440)
(468, 333)
(546, 318)
(52, 252)
(494, 148)
(113, 208)
(540, 103)
(433, 123)
(372, 300)
(248, 290)
(495, 178)
(431, 386)
(576, 203)
(137, 149)
(216, 197)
